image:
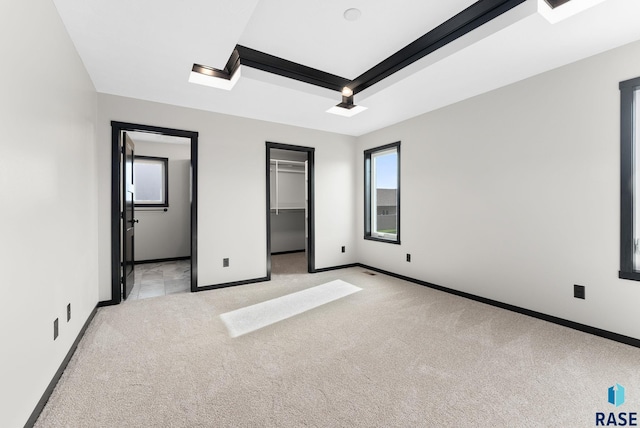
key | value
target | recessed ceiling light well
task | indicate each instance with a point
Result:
(346, 112)
(558, 10)
(352, 14)
(346, 108)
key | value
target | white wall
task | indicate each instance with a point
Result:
(48, 183)
(160, 234)
(514, 195)
(232, 187)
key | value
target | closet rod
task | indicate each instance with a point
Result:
(143, 209)
(286, 161)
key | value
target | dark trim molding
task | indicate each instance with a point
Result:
(279, 253)
(266, 278)
(330, 268)
(373, 238)
(116, 241)
(634, 276)
(194, 211)
(268, 207)
(549, 318)
(116, 129)
(168, 259)
(367, 193)
(232, 284)
(311, 193)
(628, 127)
(56, 377)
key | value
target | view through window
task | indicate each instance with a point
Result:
(629, 180)
(382, 193)
(150, 178)
(636, 184)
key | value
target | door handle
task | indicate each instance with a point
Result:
(135, 220)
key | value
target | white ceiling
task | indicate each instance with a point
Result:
(145, 49)
(317, 35)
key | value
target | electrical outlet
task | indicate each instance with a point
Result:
(408, 257)
(344, 249)
(578, 291)
(55, 329)
(225, 262)
(69, 312)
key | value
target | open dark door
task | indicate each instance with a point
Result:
(128, 218)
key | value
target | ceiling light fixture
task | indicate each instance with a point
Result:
(352, 14)
(346, 108)
(209, 76)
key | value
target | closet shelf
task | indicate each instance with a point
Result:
(287, 161)
(288, 189)
(295, 171)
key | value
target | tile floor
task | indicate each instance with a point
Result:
(160, 279)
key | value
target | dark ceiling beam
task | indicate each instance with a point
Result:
(233, 63)
(556, 3)
(466, 21)
(273, 64)
(227, 73)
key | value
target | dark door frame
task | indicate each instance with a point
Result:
(311, 226)
(127, 256)
(116, 130)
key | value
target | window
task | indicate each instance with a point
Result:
(629, 180)
(151, 181)
(382, 193)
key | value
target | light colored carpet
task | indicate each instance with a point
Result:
(394, 354)
(288, 264)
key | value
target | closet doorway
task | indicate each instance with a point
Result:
(290, 202)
